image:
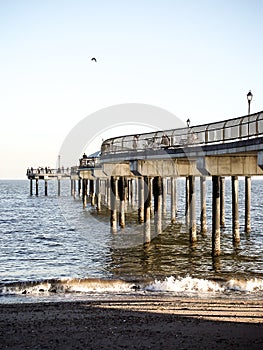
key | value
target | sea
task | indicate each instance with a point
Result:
(53, 249)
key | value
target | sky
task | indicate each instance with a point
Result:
(195, 59)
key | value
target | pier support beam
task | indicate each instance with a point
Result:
(92, 192)
(187, 199)
(203, 204)
(36, 187)
(58, 187)
(31, 187)
(222, 201)
(164, 195)
(121, 191)
(147, 210)
(113, 197)
(84, 193)
(192, 207)
(79, 187)
(45, 187)
(98, 194)
(158, 202)
(173, 200)
(216, 216)
(141, 185)
(235, 218)
(247, 204)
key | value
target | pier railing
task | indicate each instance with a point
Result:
(246, 127)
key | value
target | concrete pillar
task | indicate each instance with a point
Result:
(164, 195)
(222, 201)
(192, 207)
(173, 200)
(216, 216)
(158, 201)
(187, 198)
(58, 187)
(84, 192)
(45, 187)
(98, 194)
(141, 200)
(79, 187)
(113, 196)
(147, 210)
(72, 187)
(203, 204)
(108, 192)
(31, 187)
(36, 187)
(247, 203)
(235, 218)
(121, 191)
(92, 192)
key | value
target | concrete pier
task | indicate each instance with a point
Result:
(158, 202)
(222, 201)
(113, 218)
(203, 204)
(147, 209)
(122, 192)
(235, 216)
(216, 216)
(173, 200)
(192, 211)
(247, 204)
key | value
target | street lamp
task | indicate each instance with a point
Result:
(188, 122)
(249, 99)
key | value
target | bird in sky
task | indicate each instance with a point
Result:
(94, 59)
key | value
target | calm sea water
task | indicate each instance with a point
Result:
(52, 248)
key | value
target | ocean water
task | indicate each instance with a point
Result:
(52, 249)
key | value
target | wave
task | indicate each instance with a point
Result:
(182, 286)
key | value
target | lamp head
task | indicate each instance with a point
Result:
(249, 96)
(188, 122)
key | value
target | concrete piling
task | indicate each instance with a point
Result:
(147, 209)
(113, 196)
(141, 185)
(247, 204)
(235, 216)
(192, 211)
(222, 201)
(216, 216)
(158, 202)
(121, 192)
(203, 204)
(173, 200)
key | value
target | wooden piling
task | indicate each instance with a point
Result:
(235, 218)
(141, 185)
(158, 201)
(203, 204)
(247, 204)
(173, 200)
(192, 207)
(113, 197)
(121, 192)
(222, 201)
(216, 216)
(147, 210)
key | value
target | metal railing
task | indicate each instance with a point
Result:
(246, 127)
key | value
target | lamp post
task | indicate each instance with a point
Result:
(188, 122)
(249, 99)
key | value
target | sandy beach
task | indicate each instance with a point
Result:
(133, 323)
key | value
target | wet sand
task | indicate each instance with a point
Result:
(133, 323)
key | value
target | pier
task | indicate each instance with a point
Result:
(143, 167)
(46, 174)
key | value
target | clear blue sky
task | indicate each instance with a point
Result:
(197, 59)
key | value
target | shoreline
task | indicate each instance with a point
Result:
(133, 323)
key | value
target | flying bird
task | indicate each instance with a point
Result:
(94, 59)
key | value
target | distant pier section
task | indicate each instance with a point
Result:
(46, 174)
